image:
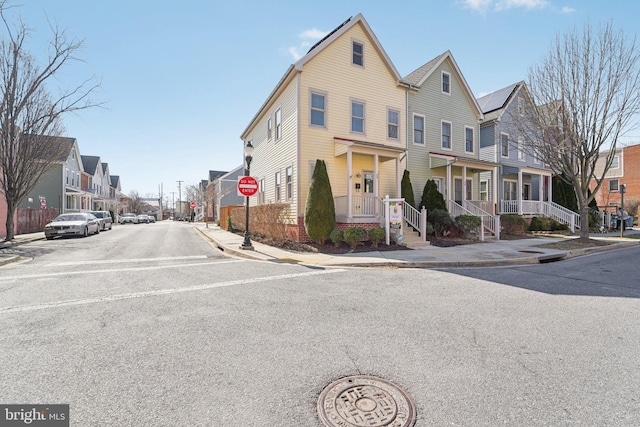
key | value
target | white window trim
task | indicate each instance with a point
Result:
(286, 184)
(277, 193)
(276, 136)
(617, 166)
(389, 109)
(614, 190)
(500, 142)
(486, 191)
(324, 95)
(364, 116)
(473, 140)
(269, 128)
(424, 125)
(521, 153)
(442, 122)
(439, 180)
(442, 82)
(510, 181)
(361, 43)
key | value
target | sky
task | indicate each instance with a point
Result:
(181, 80)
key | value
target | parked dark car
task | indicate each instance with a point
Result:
(106, 222)
(72, 224)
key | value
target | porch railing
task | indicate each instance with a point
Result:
(562, 214)
(415, 218)
(361, 206)
(490, 222)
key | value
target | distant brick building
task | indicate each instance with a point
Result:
(624, 170)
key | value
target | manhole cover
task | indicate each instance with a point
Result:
(365, 401)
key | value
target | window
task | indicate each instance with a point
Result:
(614, 185)
(439, 184)
(615, 163)
(261, 191)
(510, 192)
(269, 128)
(446, 86)
(504, 144)
(418, 129)
(484, 190)
(469, 189)
(66, 176)
(358, 54)
(317, 109)
(277, 179)
(521, 150)
(278, 124)
(357, 117)
(78, 180)
(393, 124)
(290, 183)
(468, 139)
(446, 135)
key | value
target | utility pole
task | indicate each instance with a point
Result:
(180, 197)
(173, 204)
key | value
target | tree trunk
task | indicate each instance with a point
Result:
(11, 209)
(584, 223)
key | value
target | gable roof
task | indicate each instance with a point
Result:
(90, 164)
(494, 104)
(115, 181)
(417, 78)
(54, 148)
(215, 174)
(315, 50)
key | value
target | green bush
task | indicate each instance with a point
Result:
(440, 220)
(513, 224)
(538, 224)
(557, 226)
(336, 237)
(229, 224)
(406, 189)
(430, 230)
(432, 199)
(320, 212)
(468, 222)
(377, 236)
(354, 236)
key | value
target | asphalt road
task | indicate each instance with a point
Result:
(148, 325)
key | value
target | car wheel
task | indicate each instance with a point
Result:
(49, 237)
(97, 229)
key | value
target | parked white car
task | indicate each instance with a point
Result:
(72, 224)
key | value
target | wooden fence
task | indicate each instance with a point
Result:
(33, 220)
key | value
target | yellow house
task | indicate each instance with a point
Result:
(344, 103)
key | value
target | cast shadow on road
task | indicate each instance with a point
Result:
(613, 274)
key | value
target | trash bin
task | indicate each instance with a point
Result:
(628, 222)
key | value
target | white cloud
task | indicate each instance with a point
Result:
(567, 9)
(483, 6)
(309, 38)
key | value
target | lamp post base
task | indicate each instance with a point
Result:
(246, 244)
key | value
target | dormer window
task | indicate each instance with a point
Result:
(358, 53)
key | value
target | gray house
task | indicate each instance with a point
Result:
(60, 187)
(223, 191)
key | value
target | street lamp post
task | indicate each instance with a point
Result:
(248, 156)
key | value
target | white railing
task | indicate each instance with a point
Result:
(415, 218)
(489, 222)
(361, 205)
(562, 214)
(509, 207)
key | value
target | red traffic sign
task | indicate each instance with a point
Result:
(43, 203)
(193, 205)
(247, 186)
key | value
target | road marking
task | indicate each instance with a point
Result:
(115, 270)
(122, 261)
(119, 297)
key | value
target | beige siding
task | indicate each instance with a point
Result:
(271, 155)
(332, 73)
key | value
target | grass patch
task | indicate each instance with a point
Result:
(570, 244)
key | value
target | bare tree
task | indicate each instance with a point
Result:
(585, 97)
(136, 202)
(30, 114)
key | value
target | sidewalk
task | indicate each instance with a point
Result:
(491, 253)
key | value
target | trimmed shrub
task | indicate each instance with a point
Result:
(354, 236)
(377, 236)
(557, 226)
(406, 189)
(320, 212)
(429, 231)
(440, 220)
(432, 199)
(336, 237)
(538, 224)
(229, 224)
(513, 224)
(468, 223)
